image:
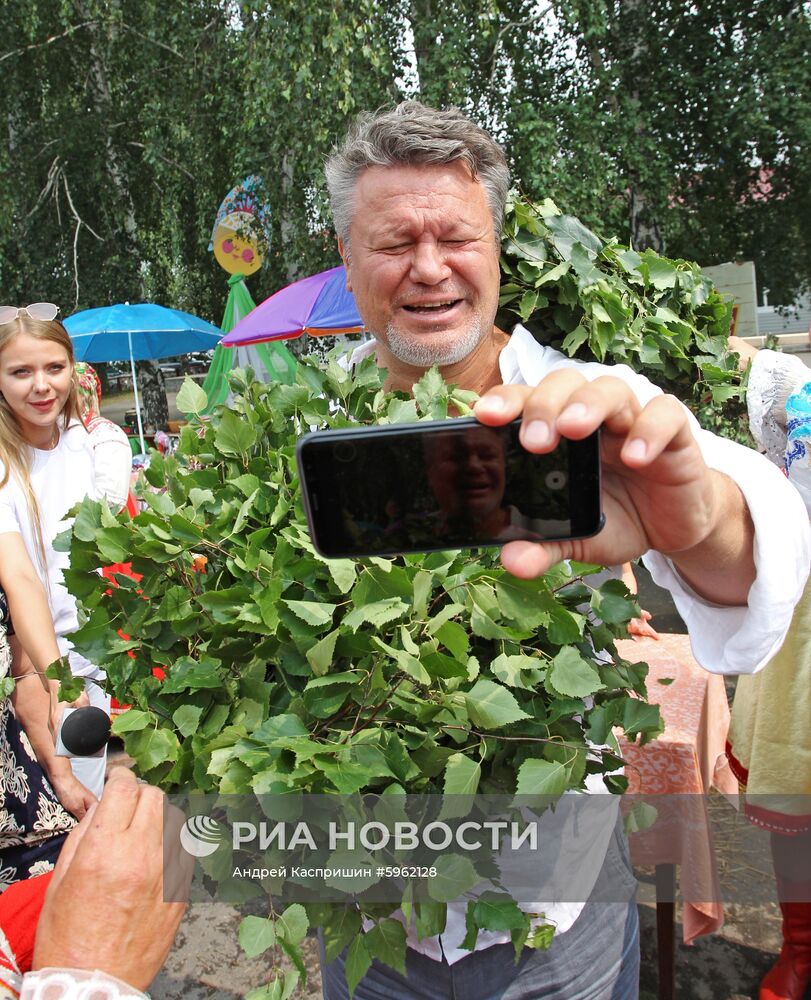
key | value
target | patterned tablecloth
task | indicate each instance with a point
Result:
(686, 760)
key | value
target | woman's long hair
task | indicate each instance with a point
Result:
(16, 454)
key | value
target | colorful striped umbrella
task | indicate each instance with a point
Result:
(319, 305)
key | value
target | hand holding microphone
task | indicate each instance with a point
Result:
(83, 732)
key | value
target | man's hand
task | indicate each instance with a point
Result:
(104, 908)
(658, 493)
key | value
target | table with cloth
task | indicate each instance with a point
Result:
(683, 764)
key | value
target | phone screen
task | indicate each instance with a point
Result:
(443, 485)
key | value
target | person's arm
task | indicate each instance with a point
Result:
(29, 610)
(31, 700)
(112, 463)
(27, 602)
(658, 492)
(104, 909)
(637, 627)
(718, 525)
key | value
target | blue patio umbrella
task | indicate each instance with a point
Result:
(139, 332)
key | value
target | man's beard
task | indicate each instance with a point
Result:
(413, 351)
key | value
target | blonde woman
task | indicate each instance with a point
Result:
(46, 466)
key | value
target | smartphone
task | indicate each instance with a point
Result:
(447, 484)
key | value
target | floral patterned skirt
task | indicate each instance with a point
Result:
(33, 824)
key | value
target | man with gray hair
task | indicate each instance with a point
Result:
(418, 199)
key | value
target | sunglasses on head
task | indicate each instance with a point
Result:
(44, 311)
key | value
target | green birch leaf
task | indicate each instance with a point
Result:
(641, 816)
(191, 397)
(340, 930)
(431, 395)
(320, 655)
(613, 603)
(659, 271)
(187, 674)
(455, 875)
(234, 435)
(405, 661)
(186, 718)
(567, 230)
(431, 919)
(246, 484)
(491, 706)
(518, 671)
(553, 274)
(462, 775)
(455, 638)
(641, 719)
(256, 934)
(564, 626)
(377, 613)
(358, 961)
(152, 747)
(402, 411)
(570, 674)
(312, 612)
(132, 721)
(293, 925)
(494, 912)
(540, 936)
(422, 591)
(541, 777)
(386, 941)
(523, 601)
(526, 307)
(342, 572)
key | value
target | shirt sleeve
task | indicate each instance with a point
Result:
(112, 463)
(741, 639)
(75, 984)
(8, 515)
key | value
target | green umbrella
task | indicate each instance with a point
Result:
(271, 362)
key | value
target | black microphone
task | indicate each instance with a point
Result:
(83, 732)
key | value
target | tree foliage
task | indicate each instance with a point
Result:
(128, 122)
(592, 297)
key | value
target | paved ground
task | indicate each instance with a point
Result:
(115, 406)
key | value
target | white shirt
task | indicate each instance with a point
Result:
(60, 478)
(726, 640)
(112, 461)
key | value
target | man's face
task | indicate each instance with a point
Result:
(467, 475)
(423, 261)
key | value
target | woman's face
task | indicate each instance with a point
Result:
(35, 377)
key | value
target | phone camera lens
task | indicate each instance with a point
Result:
(345, 452)
(555, 480)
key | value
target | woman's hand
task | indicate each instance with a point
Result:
(71, 793)
(640, 629)
(744, 350)
(58, 707)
